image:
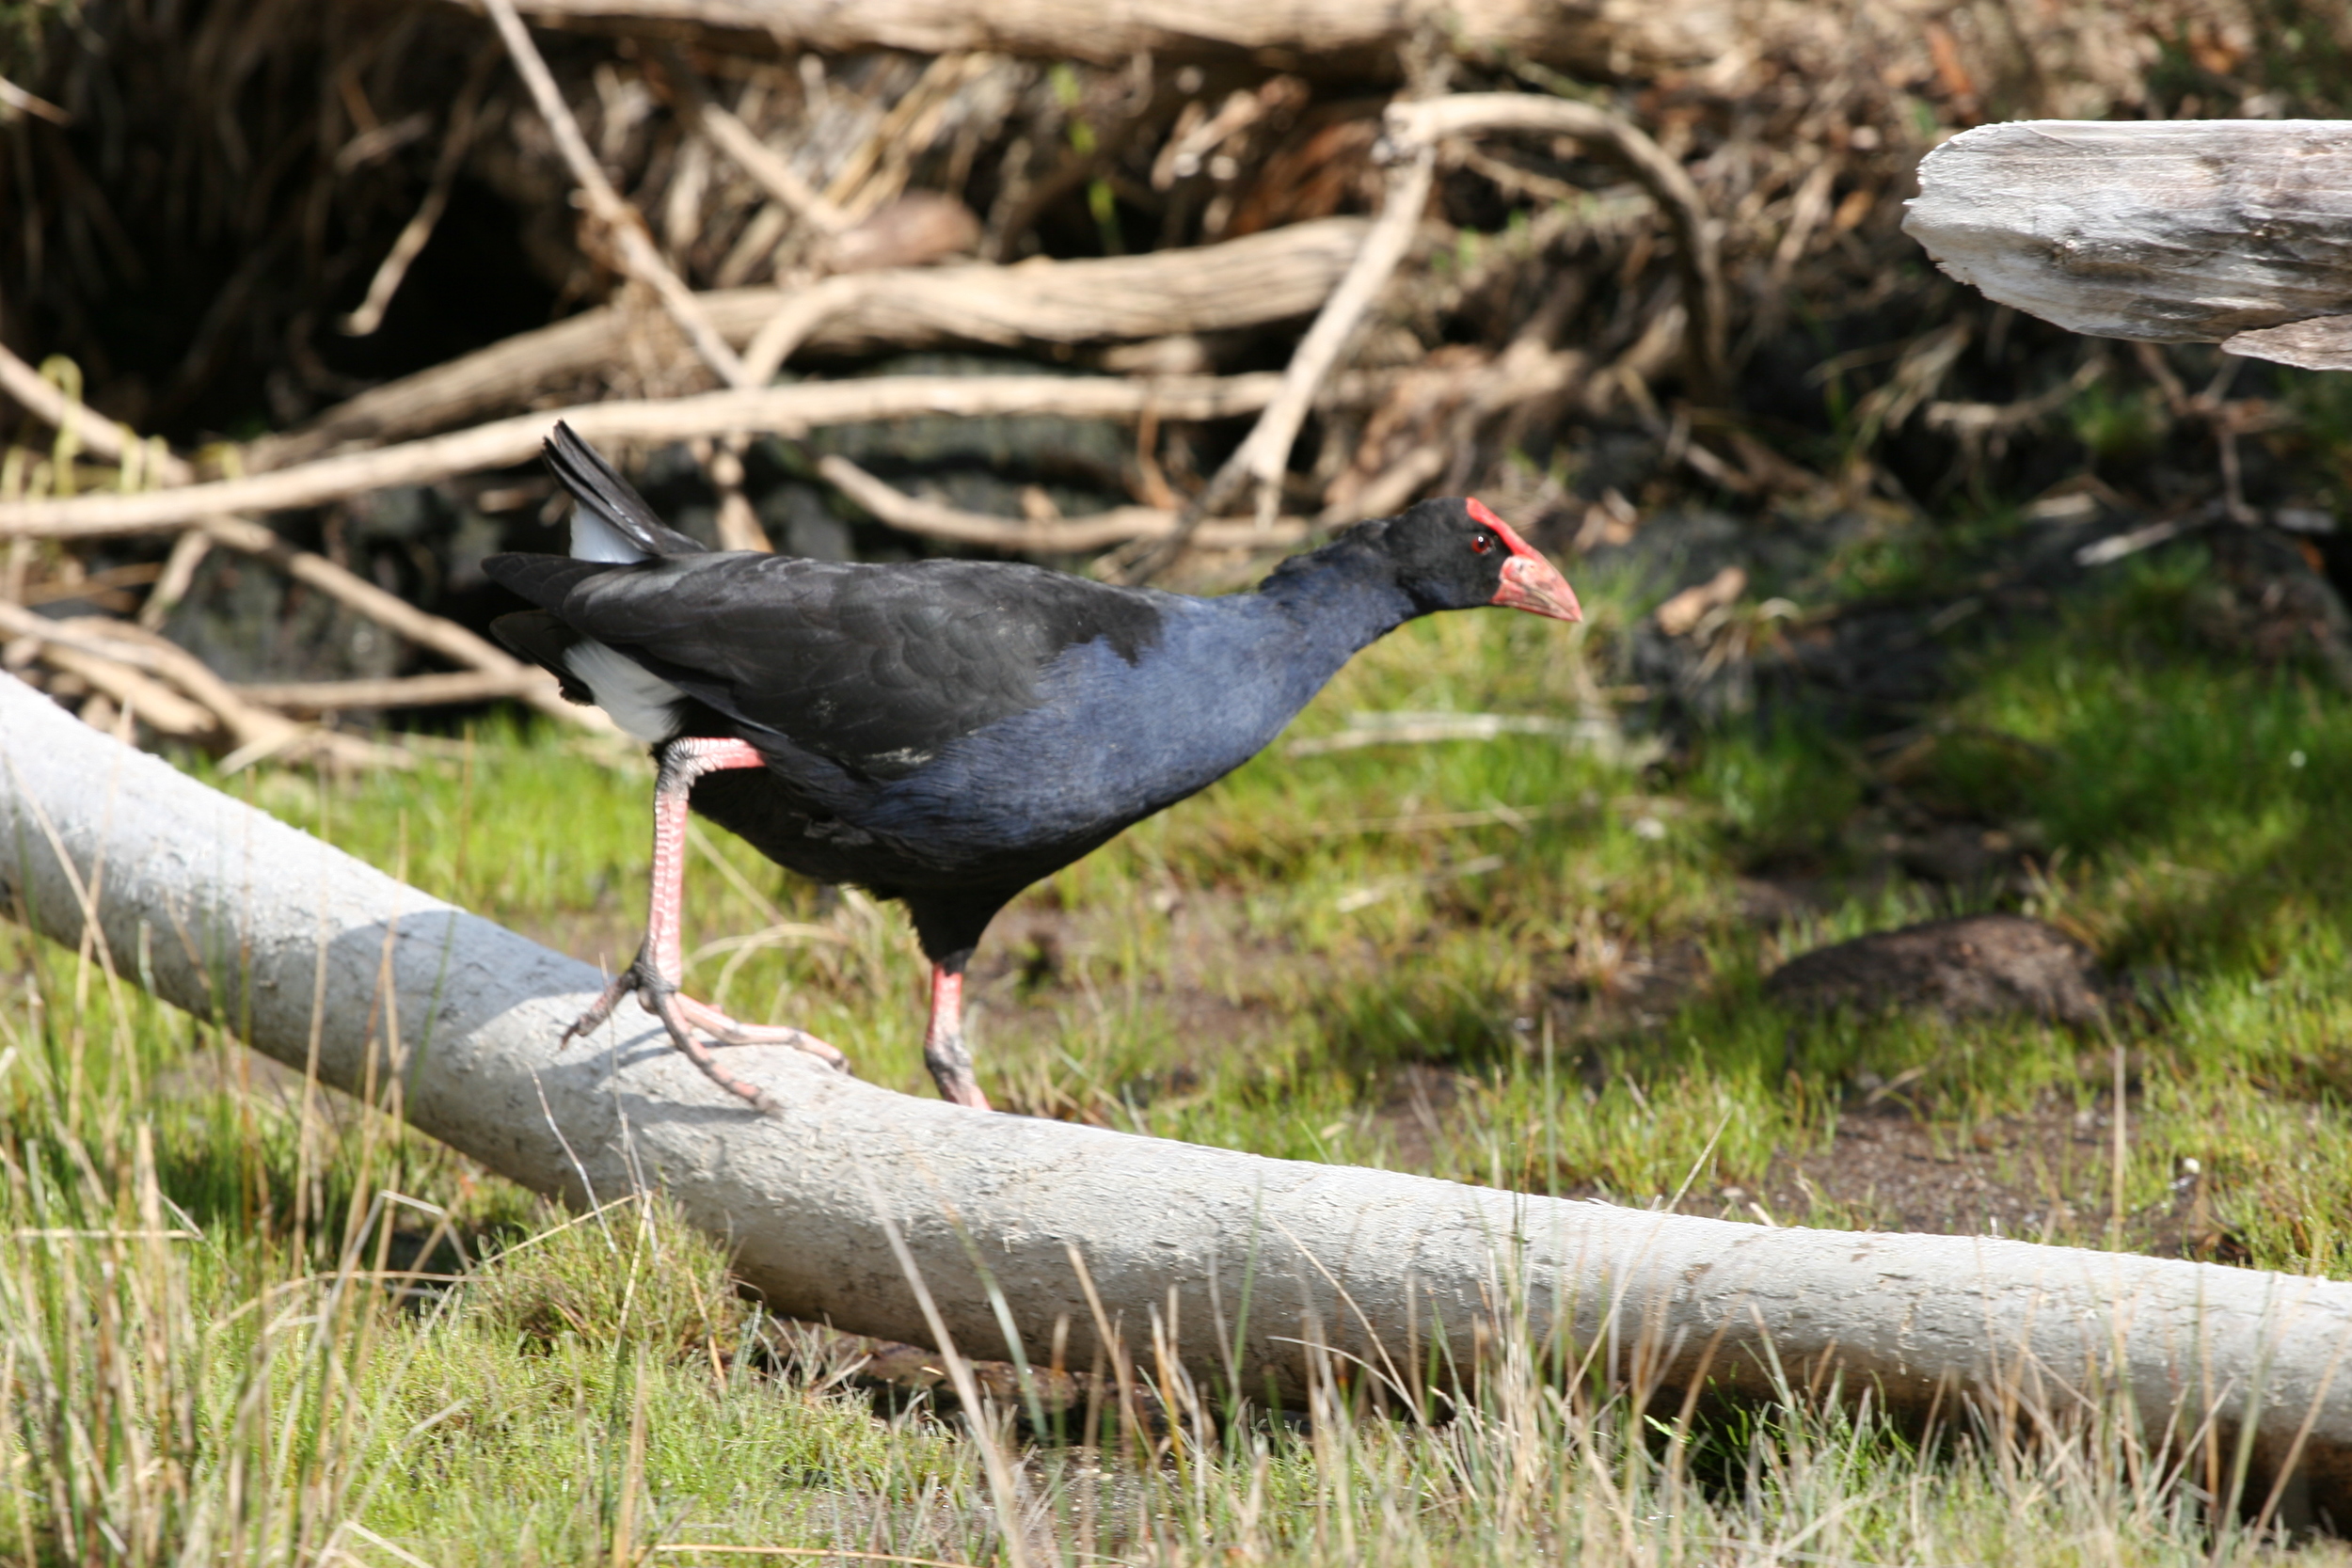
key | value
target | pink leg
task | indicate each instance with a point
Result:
(652, 976)
(943, 1049)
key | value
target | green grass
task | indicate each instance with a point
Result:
(240, 1323)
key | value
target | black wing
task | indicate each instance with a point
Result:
(876, 667)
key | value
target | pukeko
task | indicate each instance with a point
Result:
(946, 732)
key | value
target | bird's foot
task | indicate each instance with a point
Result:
(682, 1015)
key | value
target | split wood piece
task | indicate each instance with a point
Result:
(781, 410)
(1242, 283)
(1620, 39)
(2236, 231)
(1073, 537)
(87, 643)
(397, 615)
(621, 220)
(1698, 248)
(244, 919)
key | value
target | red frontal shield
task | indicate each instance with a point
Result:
(1529, 581)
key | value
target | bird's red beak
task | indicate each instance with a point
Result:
(1529, 581)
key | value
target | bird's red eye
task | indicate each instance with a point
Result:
(1483, 542)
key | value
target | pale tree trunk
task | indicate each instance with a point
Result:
(224, 910)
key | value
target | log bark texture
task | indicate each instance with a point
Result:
(1321, 36)
(2236, 232)
(1242, 283)
(221, 909)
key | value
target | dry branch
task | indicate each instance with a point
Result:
(96, 434)
(784, 410)
(466, 685)
(621, 220)
(737, 141)
(2233, 232)
(88, 644)
(396, 614)
(1698, 248)
(1070, 536)
(243, 919)
(1264, 453)
(1287, 35)
(1242, 283)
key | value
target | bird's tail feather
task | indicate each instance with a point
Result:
(610, 522)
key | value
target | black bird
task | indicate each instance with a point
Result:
(946, 732)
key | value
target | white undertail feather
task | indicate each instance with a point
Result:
(641, 703)
(594, 539)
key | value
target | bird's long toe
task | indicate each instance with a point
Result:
(667, 1005)
(727, 1031)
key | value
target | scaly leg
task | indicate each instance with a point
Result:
(652, 976)
(944, 1051)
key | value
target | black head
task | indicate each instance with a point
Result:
(1454, 554)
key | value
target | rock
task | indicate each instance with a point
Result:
(1972, 966)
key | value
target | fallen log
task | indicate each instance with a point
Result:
(1242, 283)
(1255, 1267)
(2233, 232)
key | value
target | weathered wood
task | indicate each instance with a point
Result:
(224, 910)
(1246, 283)
(2236, 232)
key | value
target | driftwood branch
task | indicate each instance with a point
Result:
(246, 920)
(2236, 232)
(783, 410)
(1241, 283)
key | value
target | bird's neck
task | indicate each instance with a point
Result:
(1341, 597)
